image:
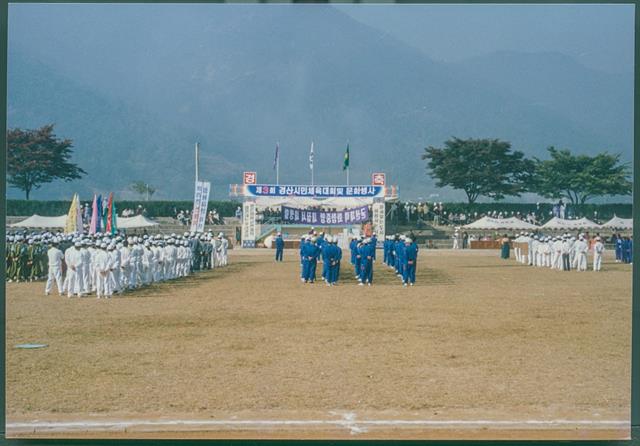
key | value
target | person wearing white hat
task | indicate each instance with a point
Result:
(598, 251)
(114, 269)
(223, 259)
(279, 242)
(125, 263)
(456, 240)
(556, 262)
(580, 249)
(410, 258)
(102, 264)
(160, 259)
(73, 259)
(86, 267)
(566, 253)
(55, 257)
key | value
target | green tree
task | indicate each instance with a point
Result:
(37, 157)
(581, 177)
(142, 188)
(480, 167)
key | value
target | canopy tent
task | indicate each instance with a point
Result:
(138, 221)
(38, 221)
(619, 223)
(511, 223)
(560, 223)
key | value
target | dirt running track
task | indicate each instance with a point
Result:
(479, 348)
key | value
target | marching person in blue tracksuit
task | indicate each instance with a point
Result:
(385, 250)
(392, 255)
(279, 247)
(366, 262)
(618, 247)
(310, 253)
(358, 259)
(335, 268)
(627, 249)
(374, 242)
(353, 247)
(325, 250)
(399, 250)
(410, 258)
(303, 242)
(330, 253)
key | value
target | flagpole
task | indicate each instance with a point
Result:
(197, 161)
(313, 162)
(278, 164)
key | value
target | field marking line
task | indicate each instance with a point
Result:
(348, 421)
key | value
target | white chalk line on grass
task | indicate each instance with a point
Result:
(348, 422)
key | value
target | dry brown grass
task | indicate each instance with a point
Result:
(478, 337)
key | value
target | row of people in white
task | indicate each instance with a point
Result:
(109, 266)
(562, 252)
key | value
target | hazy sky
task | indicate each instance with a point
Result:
(598, 36)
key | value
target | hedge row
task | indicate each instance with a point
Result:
(153, 208)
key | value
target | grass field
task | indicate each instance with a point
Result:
(479, 348)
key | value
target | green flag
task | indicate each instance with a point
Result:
(345, 166)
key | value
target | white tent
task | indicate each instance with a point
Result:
(489, 223)
(38, 221)
(560, 223)
(138, 221)
(619, 223)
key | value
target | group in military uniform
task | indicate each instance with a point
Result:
(104, 264)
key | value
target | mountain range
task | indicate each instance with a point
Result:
(135, 86)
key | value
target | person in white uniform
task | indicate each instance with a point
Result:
(598, 251)
(55, 257)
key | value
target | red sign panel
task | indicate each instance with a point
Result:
(249, 178)
(378, 179)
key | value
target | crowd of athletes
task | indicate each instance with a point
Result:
(104, 264)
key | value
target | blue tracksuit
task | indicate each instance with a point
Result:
(310, 253)
(335, 268)
(353, 246)
(366, 267)
(279, 248)
(399, 250)
(374, 243)
(325, 250)
(619, 242)
(302, 244)
(392, 258)
(410, 260)
(358, 261)
(627, 249)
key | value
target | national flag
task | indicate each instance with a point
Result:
(311, 157)
(345, 166)
(275, 160)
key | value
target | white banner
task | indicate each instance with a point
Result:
(200, 203)
(248, 224)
